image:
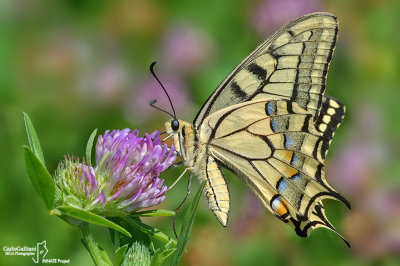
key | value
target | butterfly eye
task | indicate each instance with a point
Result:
(175, 125)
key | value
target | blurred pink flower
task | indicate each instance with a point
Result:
(186, 49)
(373, 227)
(269, 15)
(138, 108)
(351, 168)
(104, 82)
(251, 214)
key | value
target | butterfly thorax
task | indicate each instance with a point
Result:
(186, 143)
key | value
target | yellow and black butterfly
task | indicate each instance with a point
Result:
(271, 124)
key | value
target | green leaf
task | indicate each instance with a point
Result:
(115, 238)
(100, 165)
(160, 255)
(40, 178)
(187, 226)
(151, 231)
(104, 256)
(150, 213)
(120, 239)
(89, 217)
(89, 147)
(120, 254)
(33, 138)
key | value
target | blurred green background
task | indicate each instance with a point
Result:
(74, 66)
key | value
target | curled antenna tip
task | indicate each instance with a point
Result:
(152, 104)
(162, 86)
(152, 65)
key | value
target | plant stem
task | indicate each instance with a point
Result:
(91, 245)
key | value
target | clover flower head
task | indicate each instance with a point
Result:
(126, 176)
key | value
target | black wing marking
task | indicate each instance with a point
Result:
(328, 121)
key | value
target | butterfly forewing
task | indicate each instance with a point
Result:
(291, 64)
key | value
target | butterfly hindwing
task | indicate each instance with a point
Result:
(274, 147)
(292, 64)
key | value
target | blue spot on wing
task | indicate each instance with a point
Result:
(274, 125)
(275, 202)
(288, 142)
(294, 159)
(296, 177)
(282, 185)
(269, 108)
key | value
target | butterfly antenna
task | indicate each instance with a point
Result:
(162, 86)
(152, 102)
(183, 201)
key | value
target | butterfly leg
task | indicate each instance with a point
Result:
(176, 165)
(176, 181)
(168, 149)
(180, 205)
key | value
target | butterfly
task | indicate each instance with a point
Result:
(270, 123)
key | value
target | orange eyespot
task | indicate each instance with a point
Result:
(279, 207)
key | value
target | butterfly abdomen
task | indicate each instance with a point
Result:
(217, 191)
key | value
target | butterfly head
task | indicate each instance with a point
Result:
(174, 129)
(182, 133)
(178, 127)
